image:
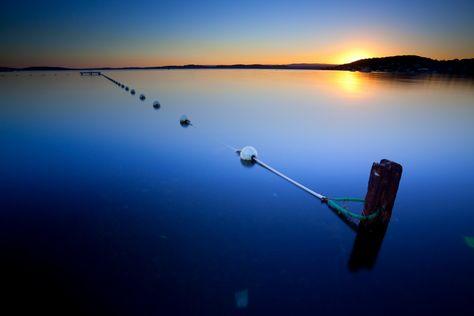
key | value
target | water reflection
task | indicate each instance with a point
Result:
(357, 84)
(350, 83)
(366, 247)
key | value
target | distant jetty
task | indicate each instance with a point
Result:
(406, 64)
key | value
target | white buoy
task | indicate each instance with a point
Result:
(248, 153)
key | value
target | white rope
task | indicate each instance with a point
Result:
(214, 139)
(299, 185)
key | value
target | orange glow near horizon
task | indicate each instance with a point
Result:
(345, 51)
(342, 53)
(352, 55)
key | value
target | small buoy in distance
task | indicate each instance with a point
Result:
(184, 121)
(142, 97)
(248, 153)
(126, 88)
(132, 91)
(156, 105)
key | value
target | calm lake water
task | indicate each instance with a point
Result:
(111, 207)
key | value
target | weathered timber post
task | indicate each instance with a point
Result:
(381, 193)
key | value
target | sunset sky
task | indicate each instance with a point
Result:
(149, 33)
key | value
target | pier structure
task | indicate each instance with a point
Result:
(91, 73)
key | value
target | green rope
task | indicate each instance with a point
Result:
(332, 202)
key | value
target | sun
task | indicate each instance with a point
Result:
(353, 55)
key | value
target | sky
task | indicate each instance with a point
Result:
(155, 33)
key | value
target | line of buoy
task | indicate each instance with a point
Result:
(126, 88)
(248, 156)
(156, 104)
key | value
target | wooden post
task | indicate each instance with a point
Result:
(381, 193)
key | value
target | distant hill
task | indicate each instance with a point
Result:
(411, 64)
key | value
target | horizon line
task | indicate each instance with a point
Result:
(296, 65)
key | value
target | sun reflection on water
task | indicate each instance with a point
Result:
(350, 83)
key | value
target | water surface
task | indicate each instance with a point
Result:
(111, 207)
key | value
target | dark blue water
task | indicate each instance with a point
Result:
(111, 207)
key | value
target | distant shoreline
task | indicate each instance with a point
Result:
(406, 64)
(191, 66)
